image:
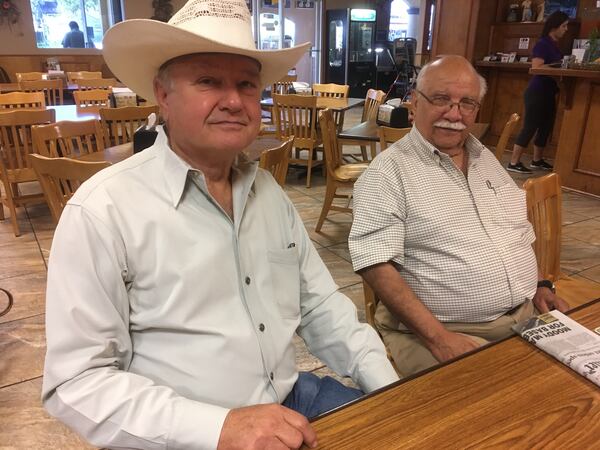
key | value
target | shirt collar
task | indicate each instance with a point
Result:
(177, 172)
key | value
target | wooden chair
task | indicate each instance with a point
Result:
(60, 178)
(339, 175)
(373, 99)
(284, 85)
(296, 115)
(331, 90)
(93, 98)
(73, 77)
(30, 76)
(52, 89)
(119, 124)
(86, 84)
(15, 145)
(388, 135)
(22, 100)
(68, 139)
(505, 135)
(544, 204)
(276, 160)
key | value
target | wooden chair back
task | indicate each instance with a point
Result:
(296, 115)
(61, 177)
(373, 100)
(544, 200)
(331, 90)
(15, 144)
(284, 85)
(95, 97)
(119, 124)
(72, 77)
(505, 135)
(68, 139)
(86, 84)
(52, 89)
(29, 76)
(331, 147)
(276, 160)
(22, 100)
(388, 135)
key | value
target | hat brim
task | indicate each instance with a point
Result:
(135, 49)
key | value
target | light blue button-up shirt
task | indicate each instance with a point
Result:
(163, 312)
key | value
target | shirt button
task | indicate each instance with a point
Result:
(261, 327)
(247, 280)
(271, 376)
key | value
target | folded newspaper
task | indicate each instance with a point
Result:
(565, 339)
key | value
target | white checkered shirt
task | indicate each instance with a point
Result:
(463, 244)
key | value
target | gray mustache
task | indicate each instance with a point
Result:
(452, 125)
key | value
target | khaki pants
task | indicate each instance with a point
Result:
(411, 356)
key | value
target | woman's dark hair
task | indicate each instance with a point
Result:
(554, 20)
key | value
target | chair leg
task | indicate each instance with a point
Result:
(329, 195)
(309, 165)
(13, 215)
(373, 150)
(363, 152)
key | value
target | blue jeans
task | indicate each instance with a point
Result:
(313, 395)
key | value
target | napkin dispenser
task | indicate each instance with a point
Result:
(393, 116)
(145, 135)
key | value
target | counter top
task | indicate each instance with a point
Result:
(504, 65)
(559, 72)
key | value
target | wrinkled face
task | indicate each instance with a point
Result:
(211, 103)
(446, 127)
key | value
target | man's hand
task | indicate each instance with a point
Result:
(545, 300)
(451, 345)
(269, 426)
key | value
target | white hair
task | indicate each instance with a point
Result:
(423, 73)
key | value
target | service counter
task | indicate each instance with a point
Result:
(577, 158)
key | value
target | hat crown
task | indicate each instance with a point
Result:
(218, 9)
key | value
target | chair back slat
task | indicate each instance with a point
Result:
(61, 177)
(96, 83)
(544, 200)
(331, 90)
(68, 139)
(74, 77)
(505, 135)
(52, 89)
(22, 100)
(119, 124)
(389, 135)
(276, 160)
(284, 85)
(295, 115)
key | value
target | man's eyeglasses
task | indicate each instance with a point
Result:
(465, 105)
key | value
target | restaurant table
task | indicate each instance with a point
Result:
(505, 395)
(120, 152)
(367, 131)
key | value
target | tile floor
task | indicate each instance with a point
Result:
(23, 422)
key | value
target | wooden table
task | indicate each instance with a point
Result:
(367, 131)
(505, 395)
(120, 152)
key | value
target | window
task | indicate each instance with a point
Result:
(270, 34)
(398, 20)
(73, 23)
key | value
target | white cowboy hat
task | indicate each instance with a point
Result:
(135, 49)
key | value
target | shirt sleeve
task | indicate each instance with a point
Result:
(86, 383)
(378, 229)
(329, 323)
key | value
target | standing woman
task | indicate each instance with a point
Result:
(540, 97)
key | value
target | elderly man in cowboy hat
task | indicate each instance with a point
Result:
(178, 278)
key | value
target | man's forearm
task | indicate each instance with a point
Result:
(401, 301)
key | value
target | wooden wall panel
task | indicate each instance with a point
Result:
(589, 156)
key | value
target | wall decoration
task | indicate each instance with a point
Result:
(9, 13)
(274, 3)
(305, 4)
(163, 10)
(569, 7)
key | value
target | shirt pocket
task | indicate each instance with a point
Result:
(513, 204)
(285, 281)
